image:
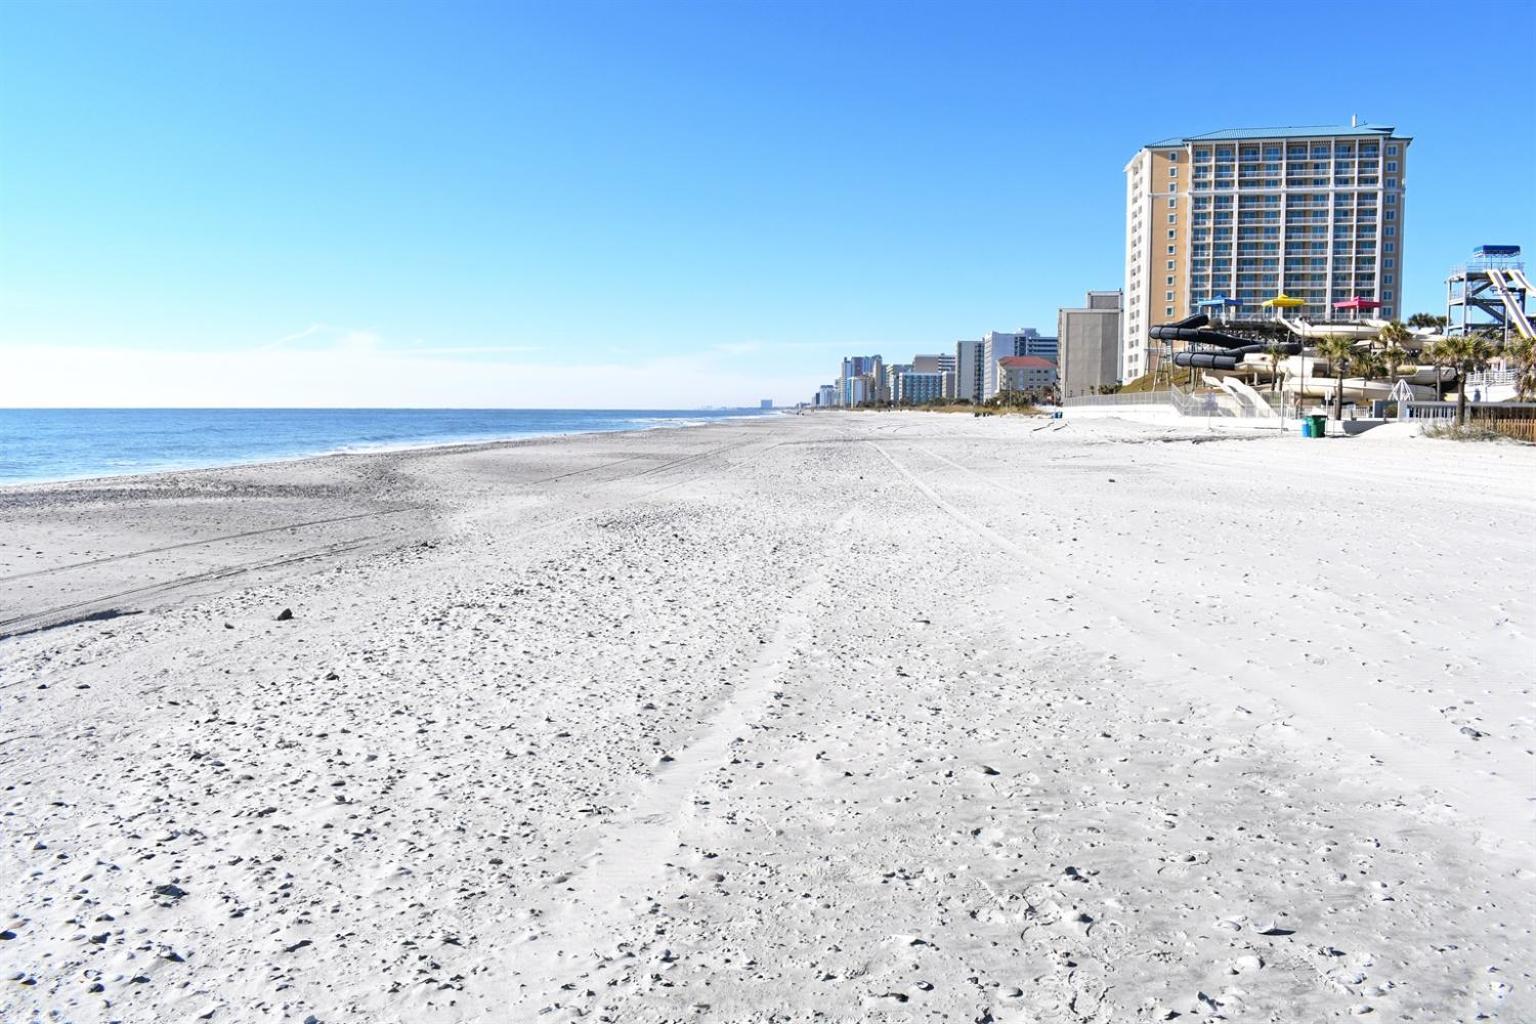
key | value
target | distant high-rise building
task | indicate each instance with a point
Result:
(870, 371)
(1026, 373)
(1088, 340)
(1026, 341)
(1244, 214)
(970, 371)
(826, 396)
(933, 364)
(913, 387)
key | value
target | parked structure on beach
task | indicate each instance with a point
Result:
(1088, 339)
(1311, 212)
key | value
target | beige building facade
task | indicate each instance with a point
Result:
(1314, 212)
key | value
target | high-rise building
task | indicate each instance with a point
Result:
(970, 370)
(1244, 214)
(1026, 341)
(913, 387)
(942, 363)
(1088, 339)
(869, 371)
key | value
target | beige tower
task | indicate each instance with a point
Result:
(1243, 214)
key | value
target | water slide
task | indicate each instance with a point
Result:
(1246, 396)
(1361, 329)
(1193, 329)
(1506, 290)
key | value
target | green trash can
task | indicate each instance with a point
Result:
(1319, 425)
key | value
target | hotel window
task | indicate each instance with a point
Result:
(1170, 264)
(1170, 280)
(1391, 151)
(1173, 218)
(1390, 229)
(1386, 296)
(1391, 198)
(1168, 311)
(1170, 250)
(1389, 247)
(1386, 279)
(1173, 172)
(1173, 204)
(1389, 263)
(1390, 215)
(1391, 167)
(1170, 238)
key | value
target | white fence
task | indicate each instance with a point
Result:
(1197, 403)
(1109, 401)
(1475, 410)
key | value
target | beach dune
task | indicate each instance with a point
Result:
(847, 717)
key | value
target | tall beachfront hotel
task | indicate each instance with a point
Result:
(1244, 214)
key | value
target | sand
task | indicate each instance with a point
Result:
(835, 717)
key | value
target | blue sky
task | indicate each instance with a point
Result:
(652, 204)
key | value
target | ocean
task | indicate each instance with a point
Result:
(67, 444)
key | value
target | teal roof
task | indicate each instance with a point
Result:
(1306, 131)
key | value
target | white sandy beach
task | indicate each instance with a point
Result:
(838, 717)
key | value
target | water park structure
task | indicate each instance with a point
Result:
(1488, 294)
(1298, 361)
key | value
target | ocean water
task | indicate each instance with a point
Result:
(66, 444)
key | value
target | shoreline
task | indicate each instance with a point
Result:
(382, 449)
(981, 722)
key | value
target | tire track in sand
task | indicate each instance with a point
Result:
(610, 888)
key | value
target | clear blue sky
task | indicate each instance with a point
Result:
(727, 195)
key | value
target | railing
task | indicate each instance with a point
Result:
(1475, 410)
(1138, 398)
(1486, 378)
(1218, 404)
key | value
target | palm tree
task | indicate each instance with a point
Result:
(1395, 356)
(1522, 352)
(1393, 335)
(1429, 320)
(1439, 355)
(1276, 352)
(1338, 351)
(1467, 353)
(1370, 364)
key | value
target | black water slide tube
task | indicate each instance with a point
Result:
(1191, 329)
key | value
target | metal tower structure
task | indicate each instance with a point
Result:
(1488, 294)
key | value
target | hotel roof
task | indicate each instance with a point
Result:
(1025, 363)
(1312, 131)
